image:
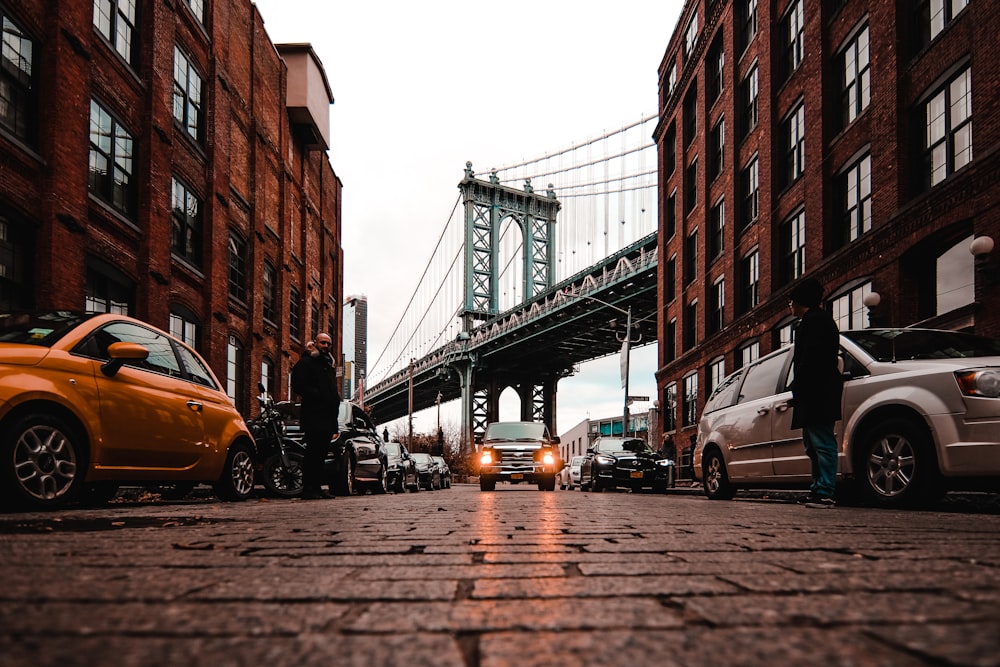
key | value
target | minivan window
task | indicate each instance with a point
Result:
(762, 378)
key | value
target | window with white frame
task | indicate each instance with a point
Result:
(691, 36)
(749, 90)
(792, 32)
(793, 248)
(948, 120)
(197, 8)
(716, 317)
(184, 326)
(793, 142)
(747, 354)
(235, 375)
(786, 334)
(717, 229)
(115, 20)
(936, 15)
(748, 22)
(670, 407)
(690, 417)
(716, 373)
(749, 281)
(848, 309)
(18, 82)
(853, 190)
(750, 193)
(187, 94)
(855, 84)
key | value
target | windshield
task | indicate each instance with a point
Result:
(515, 431)
(612, 445)
(421, 457)
(905, 344)
(42, 329)
(393, 449)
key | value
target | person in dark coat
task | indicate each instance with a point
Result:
(817, 387)
(314, 379)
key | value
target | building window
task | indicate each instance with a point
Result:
(111, 160)
(237, 267)
(853, 192)
(691, 325)
(670, 216)
(749, 193)
(670, 407)
(108, 291)
(197, 8)
(670, 150)
(184, 326)
(690, 417)
(747, 354)
(717, 146)
(267, 375)
(314, 318)
(855, 86)
(793, 144)
(690, 115)
(748, 22)
(115, 20)
(187, 224)
(670, 279)
(716, 373)
(691, 36)
(715, 64)
(948, 120)
(672, 80)
(748, 101)
(235, 375)
(936, 15)
(716, 306)
(670, 342)
(786, 334)
(18, 97)
(849, 311)
(691, 258)
(691, 186)
(16, 263)
(269, 291)
(955, 277)
(792, 32)
(187, 94)
(793, 248)
(749, 281)
(294, 313)
(716, 229)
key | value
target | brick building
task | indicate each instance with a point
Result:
(851, 141)
(167, 160)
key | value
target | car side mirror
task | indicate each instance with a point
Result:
(121, 352)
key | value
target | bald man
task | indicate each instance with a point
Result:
(314, 379)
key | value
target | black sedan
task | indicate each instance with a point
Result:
(402, 471)
(614, 462)
(427, 471)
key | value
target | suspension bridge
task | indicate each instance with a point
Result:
(527, 281)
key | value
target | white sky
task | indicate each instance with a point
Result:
(421, 88)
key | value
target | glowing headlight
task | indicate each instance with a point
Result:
(664, 462)
(548, 459)
(605, 460)
(486, 458)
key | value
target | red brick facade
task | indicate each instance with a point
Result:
(68, 243)
(911, 222)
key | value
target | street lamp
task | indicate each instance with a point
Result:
(626, 349)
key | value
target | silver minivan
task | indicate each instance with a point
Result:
(921, 415)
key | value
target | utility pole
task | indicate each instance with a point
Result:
(440, 435)
(410, 442)
(627, 353)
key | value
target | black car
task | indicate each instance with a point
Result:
(614, 462)
(427, 471)
(357, 459)
(402, 470)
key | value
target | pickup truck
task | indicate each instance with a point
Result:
(518, 452)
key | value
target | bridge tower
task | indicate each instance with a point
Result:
(487, 206)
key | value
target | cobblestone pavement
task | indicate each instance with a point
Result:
(514, 577)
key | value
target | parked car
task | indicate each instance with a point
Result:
(427, 471)
(401, 469)
(357, 460)
(562, 477)
(921, 414)
(444, 471)
(575, 465)
(91, 401)
(518, 452)
(613, 462)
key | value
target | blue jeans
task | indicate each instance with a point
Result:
(821, 448)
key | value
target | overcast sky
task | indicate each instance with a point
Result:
(421, 88)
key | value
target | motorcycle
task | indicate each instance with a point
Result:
(279, 457)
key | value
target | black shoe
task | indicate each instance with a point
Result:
(822, 503)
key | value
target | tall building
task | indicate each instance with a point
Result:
(355, 344)
(168, 161)
(851, 141)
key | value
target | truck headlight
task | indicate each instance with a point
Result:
(486, 458)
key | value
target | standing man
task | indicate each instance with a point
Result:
(314, 379)
(816, 388)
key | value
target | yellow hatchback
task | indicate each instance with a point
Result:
(89, 401)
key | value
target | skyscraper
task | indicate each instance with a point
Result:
(355, 344)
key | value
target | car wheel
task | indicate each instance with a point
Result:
(716, 485)
(350, 484)
(380, 486)
(236, 481)
(281, 480)
(487, 484)
(44, 462)
(595, 484)
(899, 466)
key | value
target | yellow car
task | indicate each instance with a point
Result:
(88, 401)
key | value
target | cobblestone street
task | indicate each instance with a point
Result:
(516, 577)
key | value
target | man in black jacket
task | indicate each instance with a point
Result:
(314, 379)
(817, 387)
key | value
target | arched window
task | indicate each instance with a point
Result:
(235, 374)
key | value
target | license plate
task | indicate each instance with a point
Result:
(636, 474)
(517, 475)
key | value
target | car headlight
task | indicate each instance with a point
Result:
(605, 460)
(982, 382)
(548, 459)
(486, 458)
(664, 462)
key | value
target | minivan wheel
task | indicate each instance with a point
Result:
(899, 465)
(716, 485)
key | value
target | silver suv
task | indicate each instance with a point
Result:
(518, 452)
(921, 414)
